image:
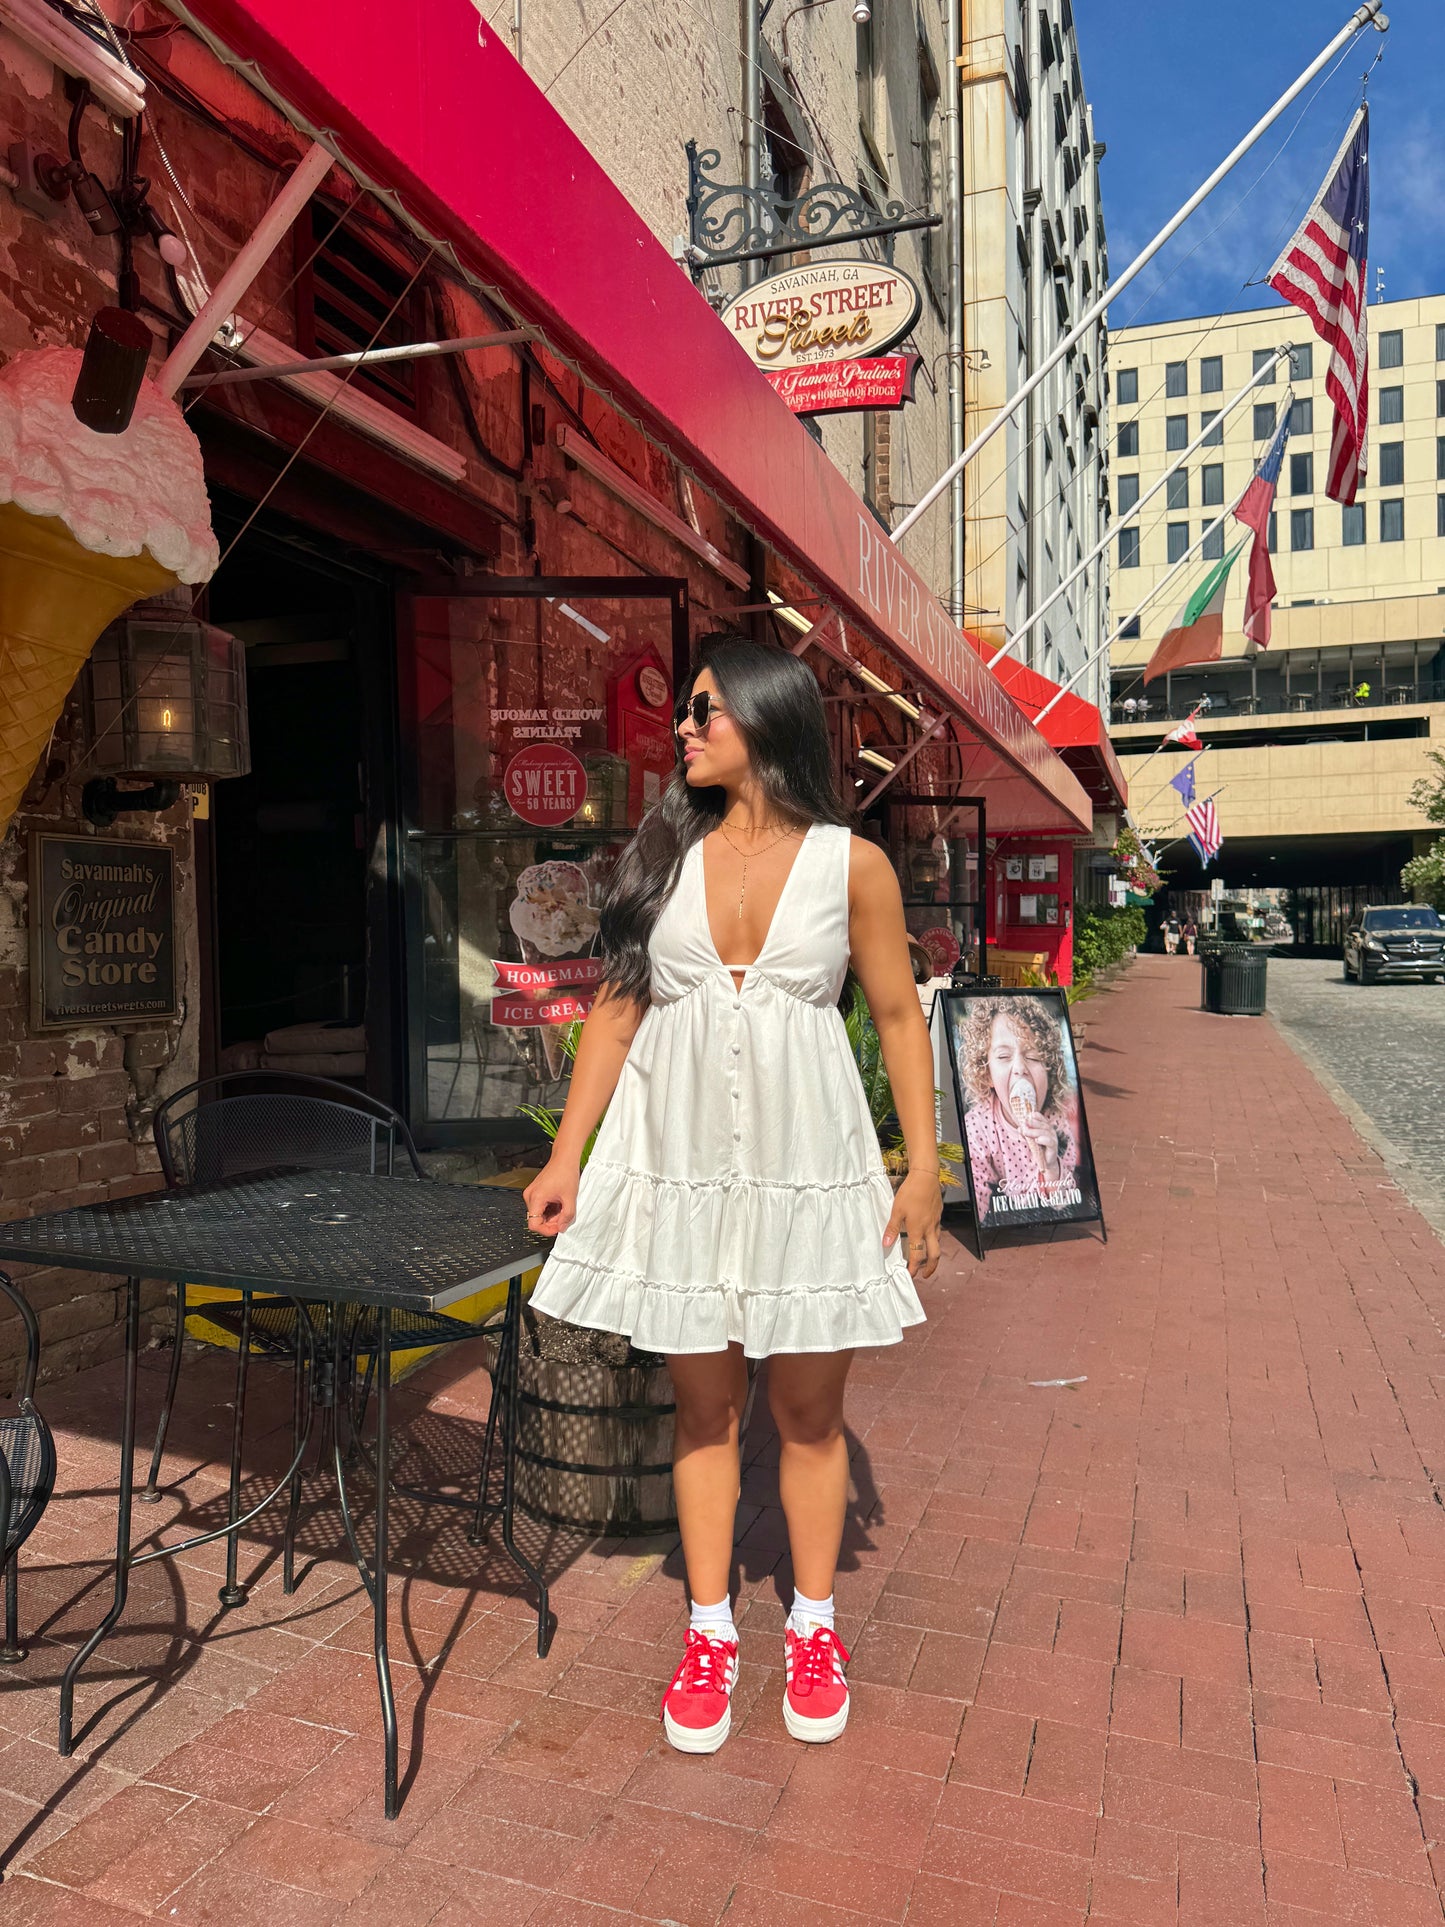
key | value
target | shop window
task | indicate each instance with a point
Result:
(1211, 375)
(540, 729)
(346, 286)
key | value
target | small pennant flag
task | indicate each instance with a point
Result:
(1197, 632)
(1204, 831)
(1184, 783)
(1184, 734)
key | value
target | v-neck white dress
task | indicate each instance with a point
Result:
(736, 1193)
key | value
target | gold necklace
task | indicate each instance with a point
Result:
(747, 858)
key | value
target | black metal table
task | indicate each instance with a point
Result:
(320, 1238)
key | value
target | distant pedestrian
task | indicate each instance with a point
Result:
(1171, 936)
(1190, 933)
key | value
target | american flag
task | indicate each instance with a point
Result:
(1204, 831)
(1322, 271)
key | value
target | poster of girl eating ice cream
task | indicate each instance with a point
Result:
(1024, 1127)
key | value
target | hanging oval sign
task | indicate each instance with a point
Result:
(829, 312)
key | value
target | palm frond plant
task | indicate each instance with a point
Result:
(867, 1051)
(551, 1121)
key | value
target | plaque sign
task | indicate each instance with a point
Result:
(102, 932)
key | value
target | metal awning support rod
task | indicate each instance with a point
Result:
(1261, 374)
(362, 358)
(904, 760)
(1163, 582)
(1369, 14)
(310, 171)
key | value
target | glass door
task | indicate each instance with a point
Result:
(537, 718)
(936, 844)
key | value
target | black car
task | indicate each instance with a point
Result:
(1399, 940)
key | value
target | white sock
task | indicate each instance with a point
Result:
(716, 1621)
(809, 1614)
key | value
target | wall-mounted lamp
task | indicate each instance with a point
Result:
(165, 697)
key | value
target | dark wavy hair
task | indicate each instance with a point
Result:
(778, 708)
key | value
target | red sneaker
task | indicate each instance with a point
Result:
(815, 1705)
(696, 1708)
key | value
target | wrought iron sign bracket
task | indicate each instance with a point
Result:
(729, 223)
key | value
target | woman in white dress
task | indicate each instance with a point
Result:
(735, 1204)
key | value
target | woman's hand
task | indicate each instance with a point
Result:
(1044, 1143)
(551, 1197)
(918, 1210)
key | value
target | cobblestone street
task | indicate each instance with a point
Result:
(1383, 1045)
(1161, 1647)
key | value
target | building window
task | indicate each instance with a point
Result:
(1128, 441)
(1301, 529)
(1211, 485)
(1263, 420)
(1440, 514)
(1301, 416)
(1130, 630)
(1129, 490)
(1215, 437)
(1440, 398)
(1302, 362)
(1128, 548)
(1352, 526)
(1176, 379)
(1440, 341)
(1177, 536)
(1392, 405)
(1211, 374)
(1265, 358)
(1176, 431)
(1301, 474)
(1177, 490)
(1128, 385)
(1392, 520)
(1392, 348)
(1392, 465)
(1213, 549)
(1271, 541)
(1440, 458)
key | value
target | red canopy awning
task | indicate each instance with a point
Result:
(1076, 730)
(427, 104)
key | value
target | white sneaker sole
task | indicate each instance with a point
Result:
(697, 1739)
(815, 1732)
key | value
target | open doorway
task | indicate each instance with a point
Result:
(291, 856)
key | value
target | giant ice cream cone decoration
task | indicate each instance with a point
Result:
(89, 523)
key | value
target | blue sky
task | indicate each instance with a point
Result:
(1174, 84)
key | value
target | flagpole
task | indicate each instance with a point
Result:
(1370, 14)
(1185, 838)
(1194, 757)
(1265, 373)
(1163, 583)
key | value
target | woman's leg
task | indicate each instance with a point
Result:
(805, 1392)
(711, 1389)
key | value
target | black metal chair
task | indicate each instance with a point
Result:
(27, 1472)
(248, 1121)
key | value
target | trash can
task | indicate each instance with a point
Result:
(1234, 979)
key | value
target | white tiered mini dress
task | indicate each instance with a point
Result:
(735, 1193)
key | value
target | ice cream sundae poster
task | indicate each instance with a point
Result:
(553, 985)
(1025, 1132)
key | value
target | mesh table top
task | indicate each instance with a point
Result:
(340, 1236)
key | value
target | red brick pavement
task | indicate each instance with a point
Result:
(1165, 1646)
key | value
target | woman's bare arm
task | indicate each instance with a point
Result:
(878, 939)
(602, 1050)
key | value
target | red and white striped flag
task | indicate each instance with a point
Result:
(1204, 831)
(1322, 272)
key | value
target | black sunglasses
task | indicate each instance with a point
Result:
(702, 708)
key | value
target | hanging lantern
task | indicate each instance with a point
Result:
(165, 697)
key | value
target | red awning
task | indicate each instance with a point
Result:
(1076, 730)
(427, 104)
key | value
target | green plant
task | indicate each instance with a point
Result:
(1134, 864)
(551, 1121)
(1102, 934)
(1046, 979)
(1424, 875)
(867, 1051)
